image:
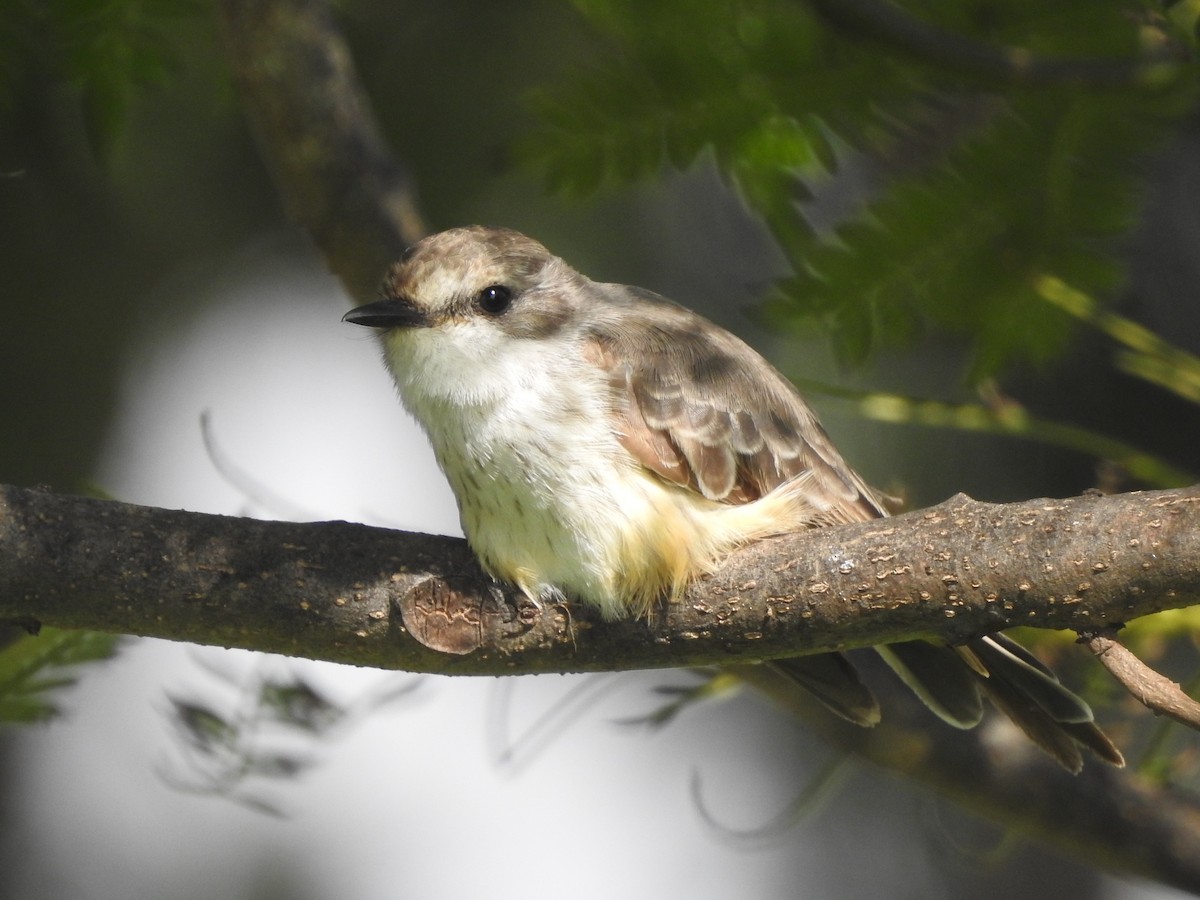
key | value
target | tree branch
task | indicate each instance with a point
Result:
(1150, 688)
(926, 42)
(370, 596)
(336, 174)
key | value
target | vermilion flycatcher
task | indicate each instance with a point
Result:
(607, 445)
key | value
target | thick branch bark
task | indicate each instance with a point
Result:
(375, 597)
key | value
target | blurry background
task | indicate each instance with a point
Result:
(150, 277)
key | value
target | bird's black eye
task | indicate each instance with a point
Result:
(495, 299)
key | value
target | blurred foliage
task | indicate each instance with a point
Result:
(108, 49)
(37, 665)
(265, 732)
(989, 168)
(1144, 355)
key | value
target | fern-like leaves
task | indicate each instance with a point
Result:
(1001, 145)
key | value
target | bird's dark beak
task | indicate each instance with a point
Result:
(390, 313)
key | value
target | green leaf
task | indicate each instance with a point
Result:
(979, 181)
(35, 667)
(110, 50)
(1043, 189)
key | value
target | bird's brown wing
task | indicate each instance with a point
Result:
(700, 408)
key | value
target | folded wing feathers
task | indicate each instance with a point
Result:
(1029, 693)
(737, 455)
(833, 680)
(939, 678)
(1036, 682)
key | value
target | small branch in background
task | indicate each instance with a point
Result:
(1005, 418)
(335, 172)
(1121, 822)
(1146, 355)
(1151, 688)
(894, 25)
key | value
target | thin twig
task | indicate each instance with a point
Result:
(926, 41)
(1151, 688)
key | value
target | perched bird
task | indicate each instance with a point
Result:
(607, 445)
